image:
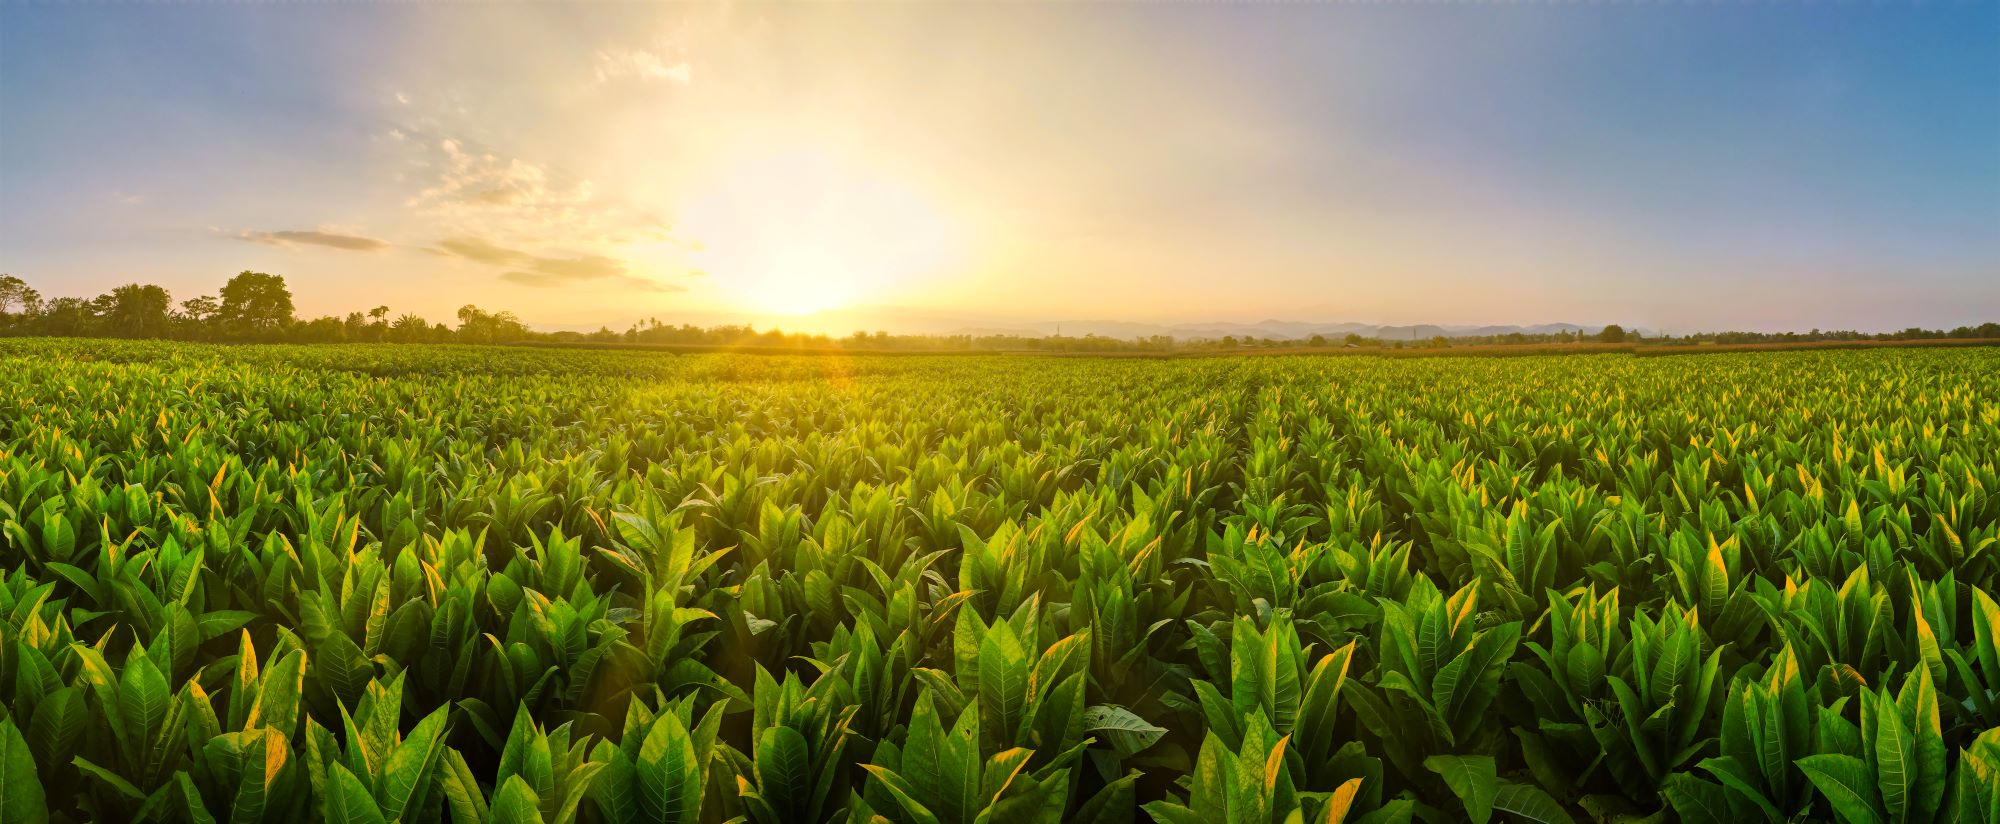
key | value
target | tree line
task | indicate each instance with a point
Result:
(257, 307)
(252, 306)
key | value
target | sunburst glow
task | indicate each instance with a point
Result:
(802, 230)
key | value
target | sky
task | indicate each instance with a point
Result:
(1680, 166)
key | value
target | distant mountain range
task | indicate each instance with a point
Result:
(1303, 330)
(1273, 329)
(902, 320)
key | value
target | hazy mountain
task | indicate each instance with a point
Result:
(908, 321)
(1295, 330)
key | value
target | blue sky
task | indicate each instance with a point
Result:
(1679, 166)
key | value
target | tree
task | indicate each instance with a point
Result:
(67, 316)
(137, 311)
(255, 303)
(1317, 340)
(475, 325)
(378, 327)
(197, 313)
(201, 309)
(1353, 339)
(1612, 334)
(328, 329)
(15, 292)
(410, 329)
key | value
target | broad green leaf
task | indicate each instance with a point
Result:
(461, 791)
(669, 777)
(1003, 685)
(347, 800)
(1114, 803)
(1846, 782)
(516, 803)
(1529, 803)
(905, 798)
(412, 764)
(21, 798)
(143, 697)
(1473, 778)
(1697, 801)
(1895, 763)
(1126, 730)
(784, 770)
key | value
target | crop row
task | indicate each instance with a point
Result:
(360, 584)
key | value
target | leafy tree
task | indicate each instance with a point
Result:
(255, 303)
(410, 328)
(137, 311)
(69, 317)
(328, 329)
(1316, 340)
(16, 292)
(1612, 334)
(475, 325)
(197, 316)
(200, 309)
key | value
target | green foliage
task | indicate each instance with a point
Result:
(458, 584)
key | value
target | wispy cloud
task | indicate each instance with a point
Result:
(480, 191)
(533, 222)
(292, 238)
(543, 271)
(645, 66)
(548, 280)
(480, 251)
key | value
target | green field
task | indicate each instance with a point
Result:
(374, 583)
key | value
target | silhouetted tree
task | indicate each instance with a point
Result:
(197, 316)
(137, 311)
(67, 316)
(328, 329)
(200, 309)
(475, 325)
(1612, 334)
(410, 329)
(14, 292)
(255, 303)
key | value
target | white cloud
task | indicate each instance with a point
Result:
(472, 190)
(645, 66)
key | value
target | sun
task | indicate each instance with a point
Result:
(801, 230)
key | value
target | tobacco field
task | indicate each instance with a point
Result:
(501, 585)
